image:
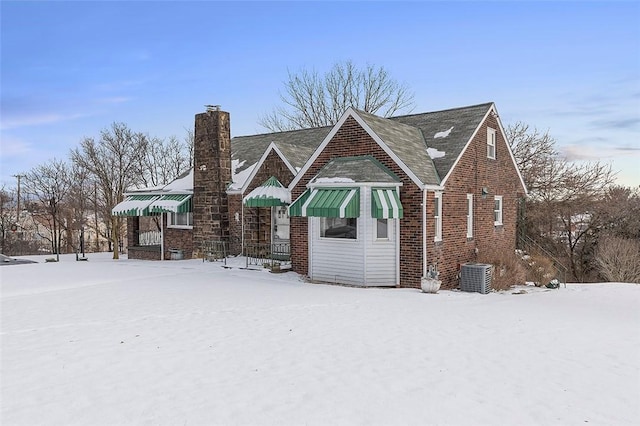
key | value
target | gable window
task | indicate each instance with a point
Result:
(339, 227)
(491, 143)
(497, 210)
(382, 229)
(437, 215)
(180, 220)
(469, 215)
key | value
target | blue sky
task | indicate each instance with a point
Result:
(70, 69)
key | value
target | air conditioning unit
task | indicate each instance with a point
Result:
(476, 277)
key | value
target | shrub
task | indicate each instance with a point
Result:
(618, 259)
(507, 272)
(540, 269)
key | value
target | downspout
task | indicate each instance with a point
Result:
(162, 236)
(424, 233)
(242, 226)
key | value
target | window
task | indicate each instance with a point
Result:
(491, 143)
(437, 215)
(180, 220)
(336, 227)
(497, 210)
(382, 229)
(469, 215)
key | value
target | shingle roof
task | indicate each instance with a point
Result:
(363, 168)
(464, 121)
(296, 145)
(407, 143)
(408, 136)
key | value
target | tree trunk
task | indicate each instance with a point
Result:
(115, 237)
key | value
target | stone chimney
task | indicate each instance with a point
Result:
(211, 176)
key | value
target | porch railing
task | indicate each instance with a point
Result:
(261, 254)
(213, 250)
(530, 246)
(149, 238)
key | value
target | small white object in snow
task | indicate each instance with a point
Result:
(443, 134)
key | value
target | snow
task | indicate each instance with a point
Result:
(131, 342)
(443, 134)
(334, 180)
(434, 153)
(278, 192)
(240, 178)
(182, 184)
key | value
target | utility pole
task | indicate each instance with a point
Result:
(19, 177)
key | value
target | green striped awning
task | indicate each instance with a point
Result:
(134, 205)
(172, 203)
(295, 209)
(329, 202)
(385, 204)
(270, 193)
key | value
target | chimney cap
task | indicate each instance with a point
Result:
(212, 108)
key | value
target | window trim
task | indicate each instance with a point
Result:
(491, 143)
(437, 216)
(320, 220)
(375, 230)
(498, 213)
(171, 217)
(469, 215)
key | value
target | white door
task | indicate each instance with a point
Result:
(280, 224)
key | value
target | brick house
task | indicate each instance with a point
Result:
(369, 201)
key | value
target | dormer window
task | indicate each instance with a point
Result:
(491, 143)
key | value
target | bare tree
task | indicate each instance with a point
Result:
(563, 213)
(188, 142)
(532, 151)
(49, 184)
(314, 100)
(164, 160)
(8, 217)
(114, 163)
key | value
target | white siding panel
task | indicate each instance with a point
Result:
(337, 260)
(380, 254)
(365, 261)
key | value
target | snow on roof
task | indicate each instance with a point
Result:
(278, 192)
(334, 180)
(443, 134)
(434, 153)
(183, 184)
(240, 178)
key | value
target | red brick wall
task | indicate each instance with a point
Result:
(352, 140)
(133, 227)
(144, 253)
(177, 238)
(257, 221)
(473, 172)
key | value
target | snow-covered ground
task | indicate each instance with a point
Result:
(131, 342)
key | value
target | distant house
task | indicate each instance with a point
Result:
(370, 201)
